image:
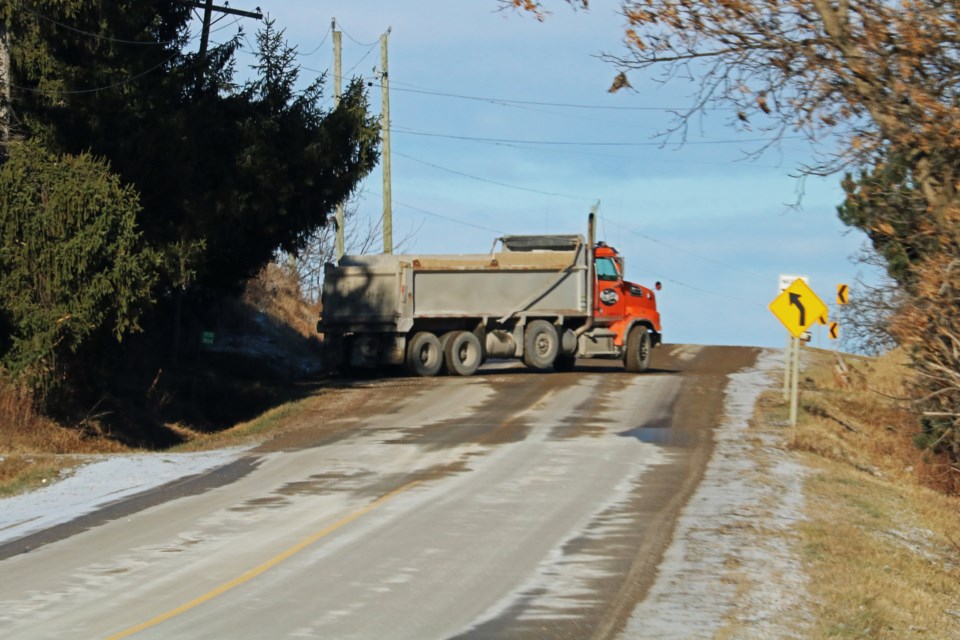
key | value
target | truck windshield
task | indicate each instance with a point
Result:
(606, 269)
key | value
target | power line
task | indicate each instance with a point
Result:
(604, 218)
(722, 294)
(317, 48)
(97, 89)
(488, 181)
(572, 143)
(236, 22)
(521, 104)
(538, 103)
(580, 153)
(613, 222)
(97, 35)
(681, 250)
(362, 44)
(372, 47)
(440, 215)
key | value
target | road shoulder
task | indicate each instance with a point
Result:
(731, 569)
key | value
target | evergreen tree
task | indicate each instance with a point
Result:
(885, 204)
(72, 263)
(227, 174)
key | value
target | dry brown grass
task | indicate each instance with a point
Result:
(880, 543)
(35, 449)
(276, 292)
(863, 416)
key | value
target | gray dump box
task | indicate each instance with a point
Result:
(530, 299)
(530, 276)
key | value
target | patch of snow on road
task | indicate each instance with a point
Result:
(105, 480)
(730, 566)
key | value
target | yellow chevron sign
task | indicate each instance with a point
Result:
(842, 294)
(834, 330)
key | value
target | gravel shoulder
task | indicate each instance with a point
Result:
(102, 481)
(731, 569)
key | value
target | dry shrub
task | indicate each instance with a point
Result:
(25, 431)
(929, 329)
(867, 419)
(276, 292)
(17, 412)
(32, 447)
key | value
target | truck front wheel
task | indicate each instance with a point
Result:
(637, 358)
(462, 353)
(540, 345)
(424, 354)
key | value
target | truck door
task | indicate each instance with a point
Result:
(609, 304)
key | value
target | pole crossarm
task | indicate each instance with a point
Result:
(257, 15)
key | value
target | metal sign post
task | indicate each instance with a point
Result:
(797, 307)
(794, 382)
(787, 369)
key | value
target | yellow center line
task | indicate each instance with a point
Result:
(269, 564)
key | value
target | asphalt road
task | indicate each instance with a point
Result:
(508, 504)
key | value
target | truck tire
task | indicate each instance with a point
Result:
(333, 355)
(540, 345)
(424, 354)
(637, 357)
(462, 353)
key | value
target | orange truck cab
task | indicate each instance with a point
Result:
(617, 303)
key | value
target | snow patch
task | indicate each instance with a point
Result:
(730, 562)
(105, 480)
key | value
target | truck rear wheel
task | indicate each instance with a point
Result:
(637, 358)
(424, 354)
(333, 355)
(540, 345)
(462, 353)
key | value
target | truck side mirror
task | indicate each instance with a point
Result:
(658, 286)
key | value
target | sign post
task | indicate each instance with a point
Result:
(797, 307)
(788, 368)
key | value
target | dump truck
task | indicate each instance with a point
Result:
(545, 299)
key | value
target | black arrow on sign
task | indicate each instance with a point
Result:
(795, 301)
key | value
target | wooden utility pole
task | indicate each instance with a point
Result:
(4, 84)
(337, 80)
(385, 126)
(205, 31)
(208, 9)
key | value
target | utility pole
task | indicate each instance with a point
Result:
(208, 9)
(385, 126)
(205, 31)
(5, 88)
(337, 80)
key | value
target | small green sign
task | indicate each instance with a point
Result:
(207, 337)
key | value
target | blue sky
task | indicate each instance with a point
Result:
(714, 227)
